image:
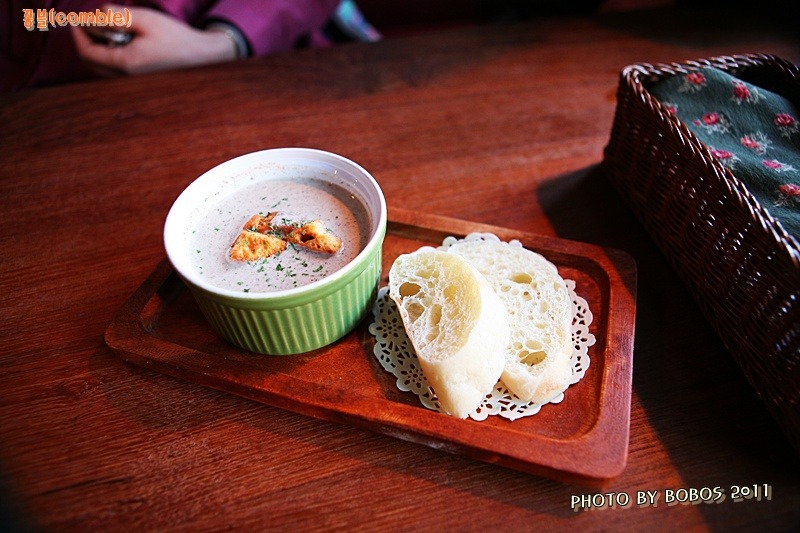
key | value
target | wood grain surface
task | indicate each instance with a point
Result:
(497, 124)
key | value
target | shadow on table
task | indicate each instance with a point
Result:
(693, 394)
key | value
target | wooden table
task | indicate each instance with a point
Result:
(503, 125)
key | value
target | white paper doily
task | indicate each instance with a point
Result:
(396, 354)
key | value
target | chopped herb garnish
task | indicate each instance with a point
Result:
(276, 204)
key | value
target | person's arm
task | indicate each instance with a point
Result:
(160, 42)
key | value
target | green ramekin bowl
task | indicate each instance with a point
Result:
(289, 321)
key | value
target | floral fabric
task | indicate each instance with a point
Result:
(752, 131)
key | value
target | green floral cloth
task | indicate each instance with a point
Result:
(752, 131)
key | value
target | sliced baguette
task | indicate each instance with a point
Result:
(456, 323)
(537, 361)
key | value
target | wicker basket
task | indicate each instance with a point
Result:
(738, 262)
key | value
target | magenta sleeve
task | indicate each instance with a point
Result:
(275, 25)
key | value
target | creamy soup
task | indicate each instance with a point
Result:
(296, 201)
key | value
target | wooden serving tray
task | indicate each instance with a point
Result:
(582, 440)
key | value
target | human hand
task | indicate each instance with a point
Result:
(160, 42)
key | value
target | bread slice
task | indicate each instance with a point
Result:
(537, 360)
(456, 323)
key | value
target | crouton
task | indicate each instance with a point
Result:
(315, 236)
(261, 224)
(251, 245)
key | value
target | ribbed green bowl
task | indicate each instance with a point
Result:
(295, 323)
(288, 321)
